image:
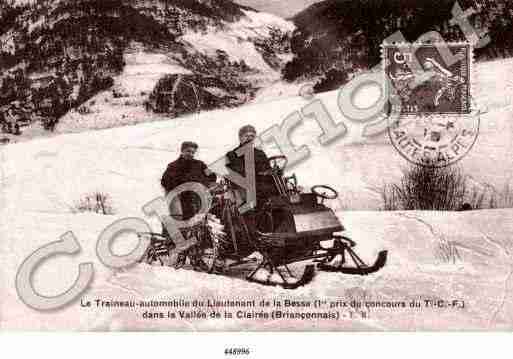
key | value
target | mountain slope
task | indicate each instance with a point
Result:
(344, 36)
(55, 55)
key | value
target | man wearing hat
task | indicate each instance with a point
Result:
(187, 169)
(265, 187)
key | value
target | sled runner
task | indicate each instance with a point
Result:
(290, 228)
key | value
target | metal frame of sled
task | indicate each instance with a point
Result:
(288, 228)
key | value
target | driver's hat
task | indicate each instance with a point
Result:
(188, 144)
(246, 129)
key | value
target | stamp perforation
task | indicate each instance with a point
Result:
(443, 145)
(466, 99)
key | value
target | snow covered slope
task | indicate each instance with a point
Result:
(43, 179)
(72, 52)
(480, 276)
(354, 166)
(237, 39)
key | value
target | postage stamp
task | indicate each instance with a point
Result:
(432, 85)
(426, 81)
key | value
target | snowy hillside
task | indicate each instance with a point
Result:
(57, 56)
(352, 165)
(43, 179)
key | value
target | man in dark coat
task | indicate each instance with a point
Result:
(187, 169)
(265, 186)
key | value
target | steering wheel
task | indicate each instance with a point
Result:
(278, 162)
(332, 194)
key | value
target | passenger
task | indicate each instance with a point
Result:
(187, 169)
(184, 170)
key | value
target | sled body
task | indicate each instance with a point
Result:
(285, 231)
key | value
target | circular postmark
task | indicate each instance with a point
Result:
(434, 140)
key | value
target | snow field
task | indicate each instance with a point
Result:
(42, 179)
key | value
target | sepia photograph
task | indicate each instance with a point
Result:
(256, 166)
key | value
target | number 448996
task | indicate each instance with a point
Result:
(236, 351)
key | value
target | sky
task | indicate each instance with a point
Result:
(284, 8)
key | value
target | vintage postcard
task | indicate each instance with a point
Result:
(256, 165)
